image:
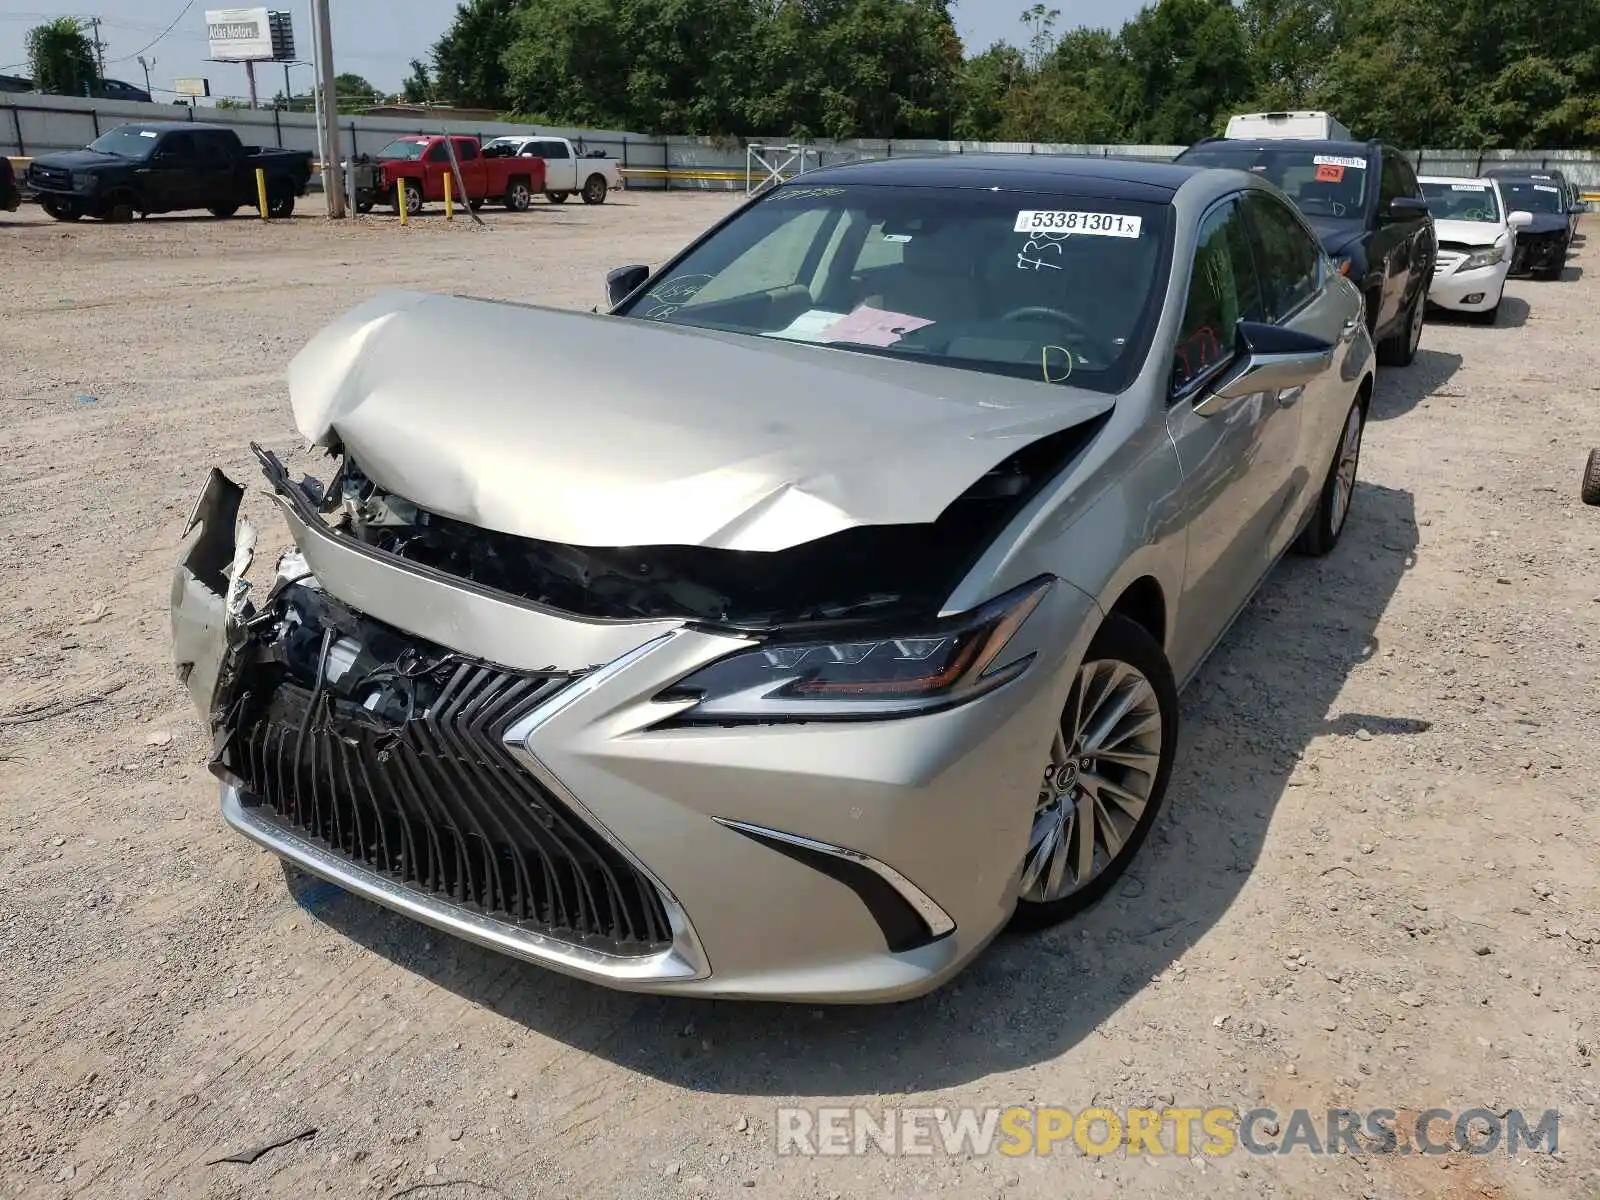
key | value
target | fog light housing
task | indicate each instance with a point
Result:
(1474, 298)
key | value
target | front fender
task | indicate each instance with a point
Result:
(212, 559)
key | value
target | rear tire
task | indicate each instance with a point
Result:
(1338, 489)
(594, 189)
(557, 197)
(1591, 479)
(1400, 347)
(1097, 801)
(223, 211)
(280, 206)
(519, 195)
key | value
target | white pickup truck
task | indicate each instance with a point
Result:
(565, 171)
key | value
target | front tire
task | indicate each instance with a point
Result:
(1591, 479)
(1487, 316)
(1400, 347)
(413, 197)
(594, 189)
(1338, 489)
(118, 210)
(1106, 776)
(61, 210)
(223, 211)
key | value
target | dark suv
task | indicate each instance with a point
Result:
(1365, 203)
(1541, 249)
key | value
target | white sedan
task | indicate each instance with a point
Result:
(1476, 239)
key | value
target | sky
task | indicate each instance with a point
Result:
(373, 38)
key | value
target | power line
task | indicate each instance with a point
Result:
(181, 14)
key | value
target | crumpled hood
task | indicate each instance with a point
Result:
(1546, 223)
(611, 431)
(1469, 233)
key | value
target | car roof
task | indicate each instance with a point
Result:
(174, 126)
(1524, 173)
(1455, 179)
(1109, 178)
(1315, 145)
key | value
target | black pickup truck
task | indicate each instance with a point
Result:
(166, 166)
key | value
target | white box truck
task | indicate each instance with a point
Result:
(1309, 126)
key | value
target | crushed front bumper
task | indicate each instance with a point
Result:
(822, 861)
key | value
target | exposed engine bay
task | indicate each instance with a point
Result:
(863, 572)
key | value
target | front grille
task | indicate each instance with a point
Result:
(401, 767)
(50, 177)
(1447, 262)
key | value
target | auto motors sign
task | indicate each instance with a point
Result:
(239, 34)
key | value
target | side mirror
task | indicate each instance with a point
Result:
(1578, 208)
(624, 281)
(1520, 219)
(1269, 359)
(1406, 208)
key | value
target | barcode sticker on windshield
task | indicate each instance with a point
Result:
(1469, 187)
(1338, 160)
(1101, 224)
(1545, 187)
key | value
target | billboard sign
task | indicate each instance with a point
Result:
(192, 87)
(239, 34)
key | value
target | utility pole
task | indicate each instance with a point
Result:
(99, 46)
(332, 172)
(146, 64)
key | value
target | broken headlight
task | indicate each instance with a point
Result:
(947, 663)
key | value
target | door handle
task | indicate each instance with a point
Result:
(1290, 396)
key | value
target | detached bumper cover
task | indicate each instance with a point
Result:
(821, 861)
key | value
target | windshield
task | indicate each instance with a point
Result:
(1530, 196)
(501, 147)
(126, 141)
(1462, 200)
(403, 148)
(1321, 184)
(1027, 284)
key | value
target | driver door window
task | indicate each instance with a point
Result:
(1223, 290)
(1393, 182)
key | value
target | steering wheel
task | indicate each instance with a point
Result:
(1073, 324)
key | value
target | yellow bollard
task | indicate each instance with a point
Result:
(449, 208)
(400, 195)
(261, 192)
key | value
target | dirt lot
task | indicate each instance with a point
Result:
(1375, 886)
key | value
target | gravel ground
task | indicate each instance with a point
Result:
(1375, 886)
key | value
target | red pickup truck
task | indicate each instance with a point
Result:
(419, 165)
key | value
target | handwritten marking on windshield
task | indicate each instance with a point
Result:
(1038, 243)
(1044, 364)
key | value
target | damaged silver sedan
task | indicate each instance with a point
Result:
(826, 610)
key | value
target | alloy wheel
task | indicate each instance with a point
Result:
(1414, 339)
(1344, 476)
(1100, 779)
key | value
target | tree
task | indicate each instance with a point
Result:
(61, 57)
(417, 87)
(469, 60)
(353, 92)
